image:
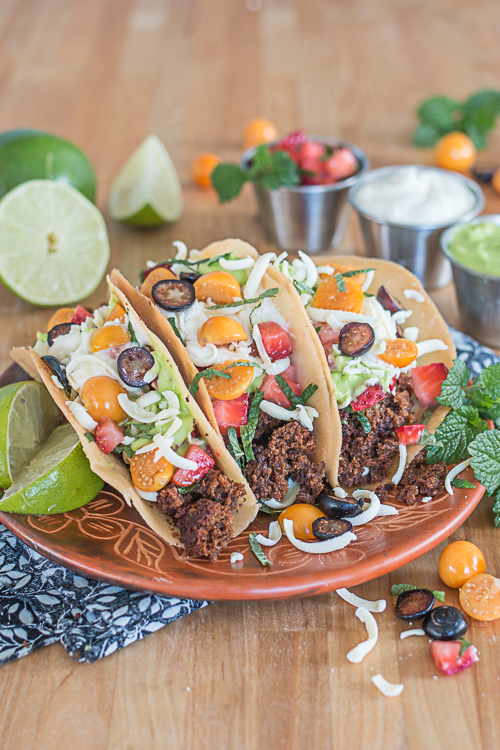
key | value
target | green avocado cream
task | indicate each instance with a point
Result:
(477, 246)
(350, 386)
(168, 381)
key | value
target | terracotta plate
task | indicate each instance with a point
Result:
(109, 541)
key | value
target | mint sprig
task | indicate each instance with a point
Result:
(174, 327)
(292, 397)
(247, 431)
(459, 428)
(462, 484)
(257, 549)
(463, 647)
(301, 287)
(234, 446)
(268, 293)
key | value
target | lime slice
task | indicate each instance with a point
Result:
(33, 155)
(27, 417)
(147, 191)
(57, 479)
(54, 246)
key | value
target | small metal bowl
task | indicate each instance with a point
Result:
(416, 247)
(478, 293)
(311, 218)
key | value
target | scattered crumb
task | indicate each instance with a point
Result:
(235, 557)
(188, 689)
(435, 677)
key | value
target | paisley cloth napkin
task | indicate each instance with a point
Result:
(42, 603)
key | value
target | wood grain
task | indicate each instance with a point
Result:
(105, 73)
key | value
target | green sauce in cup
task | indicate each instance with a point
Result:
(477, 246)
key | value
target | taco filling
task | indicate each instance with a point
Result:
(243, 347)
(123, 390)
(381, 391)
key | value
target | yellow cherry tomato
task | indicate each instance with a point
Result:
(224, 389)
(328, 297)
(303, 516)
(103, 338)
(480, 597)
(202, 168)
(399, 352)
(257, 131)
(458, 562)
(221, 331)
(100, 398)
(63, 315)
(495, 180)
(147, 475)
(117, 313)
(219, 286)
(455, 151)
(158, 274)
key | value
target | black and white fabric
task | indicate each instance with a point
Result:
(42, 603)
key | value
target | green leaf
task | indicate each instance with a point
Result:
(399, 588)
(133, 337)
(268, 293)
(364, 421)
(425, 136)
(265, 509)
(257, 549)
(174, 326)
(273, 169)
(301, 287)
(482, 108)
(191, 487)
(90, 436)
(228, 179)
(463, 647)
(291, 396)
(125, 449)
(454, 434)
(485, 461)
(339, 277)
(476, 135)
(340, 282)
(463, 484)
(451, 390)
(496, 508)
(439, 111)
(247, 431)
(308, 391)
(234, 446)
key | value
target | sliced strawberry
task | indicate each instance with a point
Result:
(312, 150)
(341, 164)
(185, 477)
(409, 434)
(447, 659)
(369, 397)
(293, 141)
(231, 413)
(427, 381)
(272, 391)
(276, 341)
(80, 315)
(108, 434)
(328, 337)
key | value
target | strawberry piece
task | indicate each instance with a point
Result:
(272, 391)
(369, 397)
(293, 141)
(409, 434)
(231, 413)
(427, 381)
(328, 337)
(447, 659)
(276, 341)
(108, 434)
(341, 164)
(185, 477)
(80, 315)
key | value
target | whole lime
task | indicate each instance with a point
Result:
(34, 155)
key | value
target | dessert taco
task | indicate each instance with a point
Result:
(250, 355)
(144, 434)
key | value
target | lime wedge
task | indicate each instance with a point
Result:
(57, 479)
(147, 191)
(34, 155)
(27, 417)
(54, 246)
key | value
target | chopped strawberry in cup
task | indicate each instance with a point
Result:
(447, 659)
(409, 434)
(272, 391)
(320, 163)
(427, 381)
(186, 477)
(108, 434)
(276, 340)
(372, 395)
(231, 413)
(341, 164)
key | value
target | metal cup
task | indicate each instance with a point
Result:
(478, 293)
(416, 247)
(307, 217)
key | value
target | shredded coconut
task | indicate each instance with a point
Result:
(426, 499)
(273, 536)
(408, 633)
(429, 346)
(402, 464)
(358, 653)
(318, 548)
(453, 473)
(389, 689)
(235, 557)
(357, 601)
(371, 512)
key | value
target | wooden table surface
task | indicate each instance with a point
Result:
(105, 73)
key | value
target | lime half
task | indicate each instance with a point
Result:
(28, 415)
(54, 246)
(147, 191)
(57, 479)
(34, 155)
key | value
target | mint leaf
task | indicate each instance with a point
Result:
(364, 421)
(257, 549)
(481, 109)
(463, 484)
(496, 508)
(301, 287)
(191, 487)
(399, 588)
(234, 446)
(247, 431)
(439, 111)
(273, 169)
(265, 509)
(340, 282)
(174, 326)
(268, 293)
(464, 646)
(133, 337)
(454, 434)
(291, 396)
(425, 136)
(485, 461)
(228, 179)
(306, 394)
(451, 390)
(90, 436)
